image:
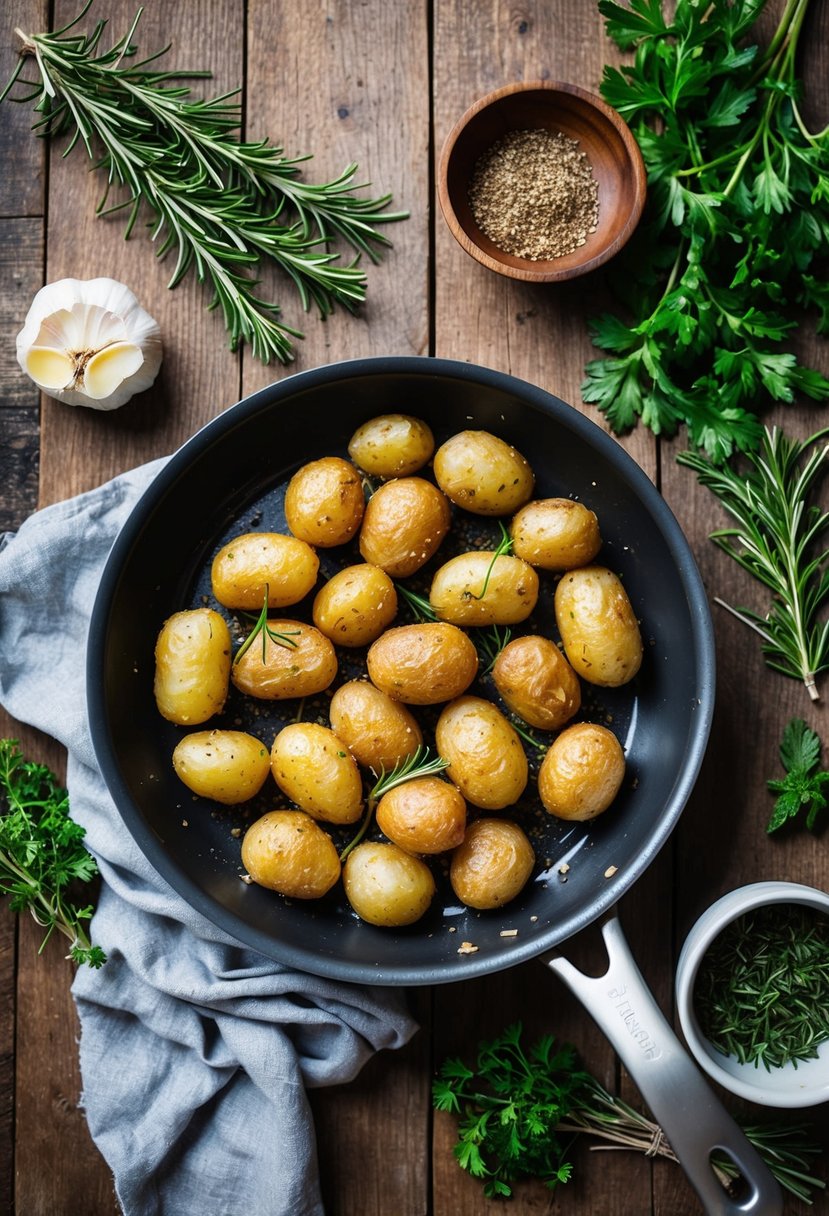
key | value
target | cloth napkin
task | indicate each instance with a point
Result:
(195, 1052)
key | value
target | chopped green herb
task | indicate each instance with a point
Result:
(262, 629)
(417, 764)
(803, 785)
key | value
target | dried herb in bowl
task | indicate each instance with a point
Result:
(762, 990)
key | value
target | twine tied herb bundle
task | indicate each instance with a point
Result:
(222, 204)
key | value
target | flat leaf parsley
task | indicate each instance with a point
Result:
(803, 785)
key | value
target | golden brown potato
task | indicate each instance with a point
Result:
(288, 852)
(423, 664)
(378, 731)
(492, 865)
(486, 760)
(324, 502)
(228, 766)
(598, 626)
(355, 605)
(317, 772)
(393, 445)
(305, 665)
(192, 666)
(404, 523)
(483, 474)
(425, 815)
(474, 589)
(582, 772)
(245, 566)
(386, 886)
(536, 682)
(556, 534)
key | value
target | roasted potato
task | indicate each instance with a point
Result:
(393, 445)
(227, 766)
(486, 760)
(404, 523)
(423, 664)
(288, 852)
(378, 731)
(355, 605)
(424, 815)
(483, 474)
(192, 666)
(536, 682)
(386, 886)
(582, 772)
(303, 665)
(492, 865)
(247, 565)
(324, 502)
(479, 588)
(316, 770)
(555, 534)
(598, 626)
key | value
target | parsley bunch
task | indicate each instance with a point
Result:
(42, 853)
(804, 782)
(736, 220)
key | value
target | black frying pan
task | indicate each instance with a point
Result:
(230, 477)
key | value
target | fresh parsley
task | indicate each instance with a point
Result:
(42, 855)
(803, 785)
(736, 219)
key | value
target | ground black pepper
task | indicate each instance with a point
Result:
(534, 194)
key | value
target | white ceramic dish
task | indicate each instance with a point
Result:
(789, 1086)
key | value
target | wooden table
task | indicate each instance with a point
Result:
(381, 83)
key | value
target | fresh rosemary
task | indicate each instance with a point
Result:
(762, 990)
(776, 540)
(490, 642)
(262, 629)
(221, 203)
(418, 605)
(417, 764)
(503, 547)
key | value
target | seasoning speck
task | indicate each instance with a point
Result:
(508, 933)
(564, 868)
(467, 948)
(610, 871)
(246, 878)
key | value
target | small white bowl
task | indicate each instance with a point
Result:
(805, 1085)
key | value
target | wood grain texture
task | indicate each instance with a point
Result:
(24, 157)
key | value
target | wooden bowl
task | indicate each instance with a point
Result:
(602, 135)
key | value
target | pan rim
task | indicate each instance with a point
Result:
(701, 641)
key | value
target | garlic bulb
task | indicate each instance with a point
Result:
(89, 343)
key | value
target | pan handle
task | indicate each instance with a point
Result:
(692, 1117)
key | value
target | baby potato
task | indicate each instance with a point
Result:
(378, 731)
(598, 626)
(192, 666)
(492, 865)
(425, 815)
(304, 666)
(474, 589)
(422, 664)
(582, 772)
(486, 760)
(289, 853)
(483, 474)
(245, 566)
(536, 682)
(228, 766)
(556, 534)
(386, 886)
(393, 445)
(404, 523)
(317, 771)
(324, 502)
(355, 605)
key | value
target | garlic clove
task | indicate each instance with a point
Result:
(107, 371)
(52, 369)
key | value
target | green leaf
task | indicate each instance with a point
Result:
(625, 25)
(614, 386)
(799, 747)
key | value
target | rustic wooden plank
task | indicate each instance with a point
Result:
(21, 269)
(199, 377)
(327, 79)
(538, 333)
(21, 186)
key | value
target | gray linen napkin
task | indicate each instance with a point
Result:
(195, 1051)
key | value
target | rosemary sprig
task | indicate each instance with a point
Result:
(775, 541)
(216, 200)
(490, 642)
(762, 991)
(419, 606)
(262, 629)
(504, 547)
(415, 765)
